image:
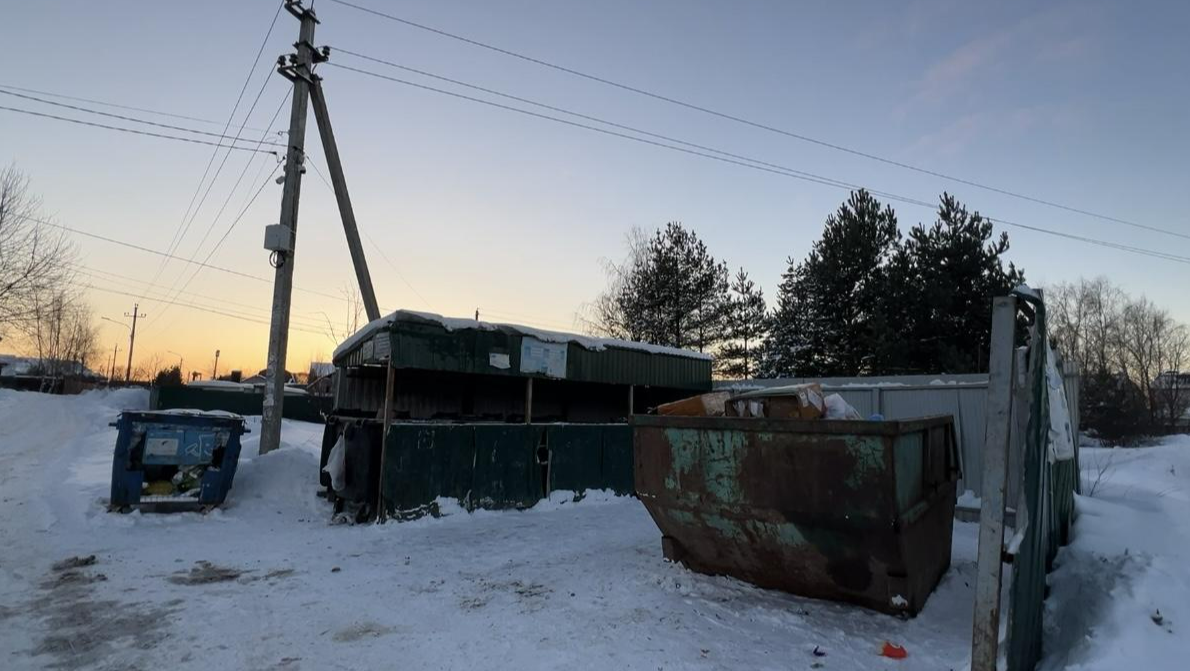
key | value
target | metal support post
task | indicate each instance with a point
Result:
(985, 639)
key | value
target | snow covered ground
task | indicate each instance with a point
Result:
(1120, 592)
(266, 583)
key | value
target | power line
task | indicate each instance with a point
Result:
(137, 132)
(111, 104)
(761, 166)
(761, 126)
(157, 252)
(377, 247)
(126, 118)
(590, 118)
(226, 201)
(191, 306)
(135, 283)
(218, 244)
(175, 240)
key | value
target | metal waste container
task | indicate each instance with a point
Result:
(174, 459)
(855, 511)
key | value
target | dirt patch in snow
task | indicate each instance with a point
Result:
(83, 629)
(205, 573)
(360, 631)
(530, 595)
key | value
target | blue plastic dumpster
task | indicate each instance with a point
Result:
(174, 459)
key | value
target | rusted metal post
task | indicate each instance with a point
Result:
(529, 400)
(985, 636)
(389, 379)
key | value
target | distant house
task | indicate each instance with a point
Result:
(319, 380)
(1172, 379)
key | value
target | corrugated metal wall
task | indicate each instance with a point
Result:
(908, 396)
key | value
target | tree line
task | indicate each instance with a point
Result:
(865, 300)
(1130, 355)
(41, 308)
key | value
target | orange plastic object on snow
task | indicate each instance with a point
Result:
(893, 651)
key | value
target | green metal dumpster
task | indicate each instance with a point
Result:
(854, 511)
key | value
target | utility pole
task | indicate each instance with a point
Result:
(297, 68)
(112, 376)
(346, 212)
(131, 340)
(215, 370)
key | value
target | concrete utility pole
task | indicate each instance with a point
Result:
(298, 68)
(215, 370)
(346, 213)
(282, 238)
(132, 339)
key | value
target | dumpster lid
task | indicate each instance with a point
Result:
(188, 412)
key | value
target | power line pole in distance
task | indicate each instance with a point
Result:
(132, 339)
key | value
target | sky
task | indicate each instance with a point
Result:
(464, 206)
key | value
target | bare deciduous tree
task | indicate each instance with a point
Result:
(605, 316)
(35, 259)
(351, 324)
(61, 333)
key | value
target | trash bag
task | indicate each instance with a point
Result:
(838, 408)
(336, 465)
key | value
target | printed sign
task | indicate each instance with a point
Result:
(546, 358)
(499, 360)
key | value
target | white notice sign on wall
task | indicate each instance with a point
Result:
(546, 358)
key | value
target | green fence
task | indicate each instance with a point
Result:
(1049, 487)
(303, 408)
(498, 466)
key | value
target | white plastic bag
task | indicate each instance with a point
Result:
(336, 465)
(838, 408)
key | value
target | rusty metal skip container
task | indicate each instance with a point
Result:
(854, 511)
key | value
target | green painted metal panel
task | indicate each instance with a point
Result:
(302, 408)
(506, 473)
(617, 460)
(429, 346)
(575, 456)
(909, 460)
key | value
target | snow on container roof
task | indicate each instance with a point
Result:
(427, 341)
(459, 324)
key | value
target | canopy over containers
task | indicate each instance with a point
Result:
(856, 511)
(174, 460)
(494, 415)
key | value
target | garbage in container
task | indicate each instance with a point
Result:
(174, 459)
(798, 401)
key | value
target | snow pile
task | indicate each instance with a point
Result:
(460, 324)
(1120, 594)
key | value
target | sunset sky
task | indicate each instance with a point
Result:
(1079, 103)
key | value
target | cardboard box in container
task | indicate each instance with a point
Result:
(802, 401)
(703, 405)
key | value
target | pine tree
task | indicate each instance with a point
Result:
(673, 293)
(952, 271)
(828, 320)
(792, 337)
(747, 328)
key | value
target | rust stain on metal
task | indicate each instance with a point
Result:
(807, 506)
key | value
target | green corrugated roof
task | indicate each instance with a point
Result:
(430, 342)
